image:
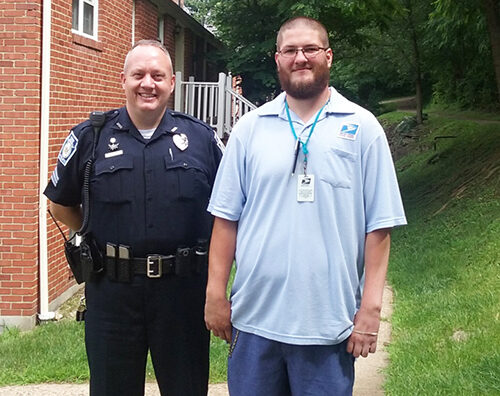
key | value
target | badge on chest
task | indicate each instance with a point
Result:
(305, 188)
(181, 141)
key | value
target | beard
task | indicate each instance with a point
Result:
(305, 89)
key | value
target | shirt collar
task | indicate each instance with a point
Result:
(336, 104)
(124, 123)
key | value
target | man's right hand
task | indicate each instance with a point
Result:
(218, 317)
(220, 260)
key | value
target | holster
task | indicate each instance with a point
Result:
(192, 260)
(85, 260)
(72, 253)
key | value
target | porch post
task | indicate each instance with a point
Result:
(178, 91)
(221, 101)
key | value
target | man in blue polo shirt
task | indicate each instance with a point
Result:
(304, 199)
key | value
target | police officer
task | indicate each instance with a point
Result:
(149, 189)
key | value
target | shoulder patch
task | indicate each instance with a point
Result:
(349, 131)
(68, 149)
(55, 177)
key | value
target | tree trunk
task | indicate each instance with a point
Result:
(418, 80)
(418, 71)
(493, 22)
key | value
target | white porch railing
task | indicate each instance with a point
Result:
(215, 103)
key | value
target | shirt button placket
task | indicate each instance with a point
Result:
(148, 177)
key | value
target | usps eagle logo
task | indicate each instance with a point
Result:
(349, 131)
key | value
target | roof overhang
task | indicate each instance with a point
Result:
(168, 7)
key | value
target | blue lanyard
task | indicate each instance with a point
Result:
(304, 145)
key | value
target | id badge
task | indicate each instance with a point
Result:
(305, 188)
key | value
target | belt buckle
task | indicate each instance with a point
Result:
(154, 266)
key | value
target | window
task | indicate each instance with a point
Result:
(161, 29)
(85, 18)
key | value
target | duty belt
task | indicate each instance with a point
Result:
(154, 265)
(121, 266)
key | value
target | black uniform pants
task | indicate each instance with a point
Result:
(164, 315)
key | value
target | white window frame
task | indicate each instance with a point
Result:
(161, 29)
(79, 30)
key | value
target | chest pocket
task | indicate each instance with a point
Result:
(112, 180)
(339, 168)
(186, 181)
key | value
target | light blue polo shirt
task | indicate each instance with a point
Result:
(300, 265)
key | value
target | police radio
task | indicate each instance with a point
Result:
(84, 259)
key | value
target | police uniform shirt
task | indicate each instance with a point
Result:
(149, 194)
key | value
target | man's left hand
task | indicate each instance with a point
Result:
(363, 339)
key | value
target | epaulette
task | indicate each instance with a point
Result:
(110, 114)
(85, 126)
(174, 114)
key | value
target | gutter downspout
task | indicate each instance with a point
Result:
(44, 158)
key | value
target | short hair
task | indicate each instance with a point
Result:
(151, 43)
(304, 21)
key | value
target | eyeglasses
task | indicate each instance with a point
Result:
(309, 52)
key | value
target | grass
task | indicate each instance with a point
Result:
(55, 352)
(445, 265)
(50, 353)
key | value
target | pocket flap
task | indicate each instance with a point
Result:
(110, 165)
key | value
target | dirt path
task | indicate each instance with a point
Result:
(369, 378)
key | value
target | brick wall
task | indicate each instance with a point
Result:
(169, 36)
(146, 17)
(19, 147)
(169, 43)
(85, 76)
(188, 53)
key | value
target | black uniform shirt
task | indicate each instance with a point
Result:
(151, 194)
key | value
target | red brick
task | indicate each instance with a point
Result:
(76, 89)
(11, 312)
(11, 284)
(12, 298)
(16, 277)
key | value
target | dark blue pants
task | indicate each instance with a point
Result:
(258, 366)
(125, 320)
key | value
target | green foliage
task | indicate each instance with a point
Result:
(379, 45)
(200, 10)
(463, 71)
(250, 41)
(249, 28)
(367, 75)
(445, 264)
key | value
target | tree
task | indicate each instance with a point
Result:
(381, 47)
(249, 27)
(391, 59)
(466, 34)
(201, 11)
(491, 10)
